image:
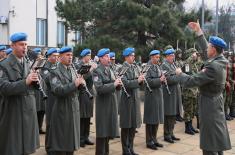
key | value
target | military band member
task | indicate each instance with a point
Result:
(86, 104)
(18, 121)
(153, 103)
(64, 131)
(8, 51)
(214, 136)
(115, 69)
(130, 116)
(40, 102)
(171, 101)
(51, 64)
(178, 62)
(3, 54)
(106, 107)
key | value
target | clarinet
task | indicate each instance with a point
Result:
(166, 84)
(85, 86)
(145, 80)
(122, 85)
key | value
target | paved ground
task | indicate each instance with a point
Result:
(189, 145)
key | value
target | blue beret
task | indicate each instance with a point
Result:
(8, 51)
(128, 51)
(2, 48)
(85, 52)
(217, 42)
(169, 51)
(18, 37)
(154, 52)
(112, 54)
(37, 50)
(51, 51)
(65, 49)
(103, 52)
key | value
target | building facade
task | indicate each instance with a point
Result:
(38, 19)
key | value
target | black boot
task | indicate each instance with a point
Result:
(192, 128)
(198, 122)
(228, 118)
(179, 118)
(188, 130)
(232, 112)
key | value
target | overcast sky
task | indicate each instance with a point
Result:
(211, 4)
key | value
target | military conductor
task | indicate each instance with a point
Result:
(214, 137)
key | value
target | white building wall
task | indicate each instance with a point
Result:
(71, 37)
(41, 9)
(52, 24)
(4, 11)
(22, 18)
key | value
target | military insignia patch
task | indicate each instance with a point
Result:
(96, 78)
(1, 73)
(54, 80)
(45, 72)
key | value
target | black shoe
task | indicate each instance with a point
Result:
(151, 146)
(158, 144)
(232, 114)
(194, 130)
(82, 144)
(190, 132)
(133, 152)
(169, 140)
(228, 118)
(188, 129)
(174, 138)
(179, 118)
(117, 137)
(42, 132)
(88, 142)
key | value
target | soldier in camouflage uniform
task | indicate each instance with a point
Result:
(192, 66)
(228, 86)
(232, 106)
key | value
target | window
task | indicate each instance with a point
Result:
(60, 33)
(78, 37)
(41, 32)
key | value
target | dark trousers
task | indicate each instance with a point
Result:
(40, 115)
(102, 146)
(169, 124)
(151, 133)
(84, 129)
(127, 139)
(212, 153)
(60, 153)
(46, 137)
